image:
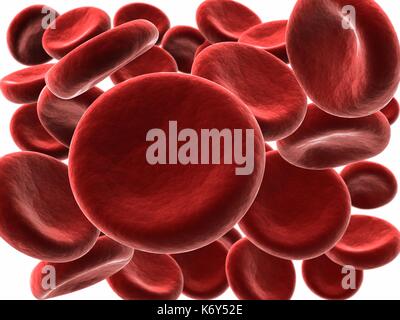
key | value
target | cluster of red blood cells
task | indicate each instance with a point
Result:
(157, 231)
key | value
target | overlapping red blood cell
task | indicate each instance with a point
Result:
(392, 111)
(325, 141)
(267, 85)
(74, 28)
(38, 213)
(255, 275)
(348, 68)
(95, 60)
(231, 238)
(202, 47)
(106, 258)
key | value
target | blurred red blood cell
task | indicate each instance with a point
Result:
(298, 214)
(25, 33)
(330, 280)
(29, 134)
(231, 238)
(110, 141)
(95, 60)
(267, 85)
(202, 47)
(368, 243)
(60, 117)
(325, 141)
(154, 60)
(370, 184)
(74, 28)
(224, 20)
(24, 86)
(350, 66)
(38, 213)
(392, 111)
(106, 258)
(255, 275)
(148, 277)
(182, 42)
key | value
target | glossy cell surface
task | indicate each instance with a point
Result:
(392, 111)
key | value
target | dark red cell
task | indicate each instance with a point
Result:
(231, 238)
(202, 47)
(74, 28)
(329, 280)
(345, 54)
(60, 117)
(24, 86)
(29, 134)
(96, 59)
(298, 214)
(38, 213)
(154, 60)
(325, 141)
(392, 111)
(224, 20)
(368, 243)
(126, 187)
(266, 84)
(106, 258)
(182, 43)
(25, 33)
(255, 275)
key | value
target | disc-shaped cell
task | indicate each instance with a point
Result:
(392, 111)
(351, 66)
(182, 43)
(266, 84)
(38, 213)
(298, 214)
(255, 275)
(29, 134)
(148, 277)
(95, 60)
(368, 243)
(330, 280)
(231, 238)
(74, 28)
(132, 126)
(224, 20)
(105, 259)
(370, 184)
(325, 141)
(60, 117)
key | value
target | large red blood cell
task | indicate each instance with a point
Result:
(263, 82)
(392, 111)
(38, 213)
(325, 141)
(231, 238)
(298, 213)
(95, 60)
(255, 275)
(126, 192)
(345, 54)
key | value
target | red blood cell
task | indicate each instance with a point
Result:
(106, 258)
(60, 117)
(29, 134)
(110, 140)
(370, 184)
(154, 60)
(267, 85)
(231, 238)
(182, 42)
(95, 60)
(268, 148)
(325, 141)
(392, 111)
(24, 86)
(298, 213)
(204, 271)
(224, 20)
(328, 279)
(38, 213)
(351, 66)
(270, 36)
(255, 275)
(74, 28)
(148, 277)
(202, 47)
(134, 11)
(25, 33)
(368, 243)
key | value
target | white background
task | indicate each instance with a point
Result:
(15, 268)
